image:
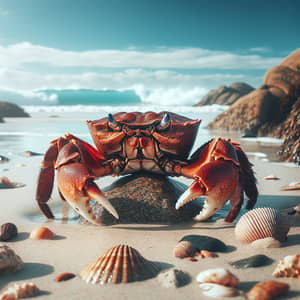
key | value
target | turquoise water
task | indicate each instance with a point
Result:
(49, 122)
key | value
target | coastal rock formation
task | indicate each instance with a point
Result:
(11, 110)
(271, 110)
(226, 95)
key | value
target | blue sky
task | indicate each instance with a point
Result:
(164, 50)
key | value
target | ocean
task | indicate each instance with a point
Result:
(48, 122)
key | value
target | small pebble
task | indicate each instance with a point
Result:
(252, 262)
(173, 278)
(8, 231)
(42, 233)
(64, 277)
(192, 259)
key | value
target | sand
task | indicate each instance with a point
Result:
(77, 245)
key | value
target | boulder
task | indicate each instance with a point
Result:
(145, 198)
(226, 95)
(11, 110)
(273, 106)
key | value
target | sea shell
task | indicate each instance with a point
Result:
(25, 290)
(260, 223)
(219, 276)
(267, 290)
(184, 249)
(265, 243)
(218, 291)
(9, 261)
(6, 183)
(120, 264)
(292, 186)
(42, 233)
(289, 266)
(252, 262)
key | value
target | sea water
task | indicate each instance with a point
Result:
(49, 122)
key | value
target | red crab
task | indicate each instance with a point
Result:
(154, 142)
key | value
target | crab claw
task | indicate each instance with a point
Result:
(217, 181)
(78, 188)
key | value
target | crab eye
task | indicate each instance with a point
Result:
(165, 122)
(112, 123)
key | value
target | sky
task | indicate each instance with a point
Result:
(167, 51)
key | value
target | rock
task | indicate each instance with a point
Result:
(271, 110)
(173, 278)
(145, 198)
(11, 110)
(226, 95)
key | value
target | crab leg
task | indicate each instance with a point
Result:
(77, 164)
(217, 181)
(78, 188)
(221, 172)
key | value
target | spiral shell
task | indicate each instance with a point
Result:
(120, 264)
(219, 276)
(25, 290)
(261, 223)
(9, 261)
(289, 266)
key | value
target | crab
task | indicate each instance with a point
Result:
(155, 142)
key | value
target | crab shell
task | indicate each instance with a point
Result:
(178, 139)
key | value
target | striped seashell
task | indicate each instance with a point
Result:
(120, 264)
(289, 266)
(261, 223)
(219, 276)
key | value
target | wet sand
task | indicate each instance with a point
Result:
(77, 245)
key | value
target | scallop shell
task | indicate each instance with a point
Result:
(261, 223)
(120, 264)
(267, 290)
(218, 291)
(25, 290)
(289, 266)
(9, 261)
(219, 276)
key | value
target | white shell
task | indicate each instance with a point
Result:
(261, 223)
(18, 291)
(218, 291)
(219, 276)
(120, 264)
(9, 261)
(289, 266)
(268, 242)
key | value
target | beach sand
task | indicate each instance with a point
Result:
(77, 245)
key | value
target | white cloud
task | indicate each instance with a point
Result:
(21, 54)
